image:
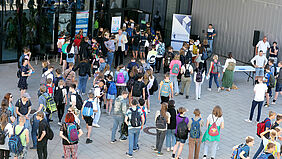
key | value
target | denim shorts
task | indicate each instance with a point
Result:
(180, 140)
(260, 72)
(135, 48)
(110, 96)
(278, 87)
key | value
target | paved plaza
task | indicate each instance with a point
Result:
(235, 104)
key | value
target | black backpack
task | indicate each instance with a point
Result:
(19, 73)
(154, 87)
(58, 96)
(182, 130)
(49, 133)
(187, 72)
(137, 89)
(3, 135)
(161, 122)
(79, 101)
(135, 120)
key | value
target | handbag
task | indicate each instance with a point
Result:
(213, 130)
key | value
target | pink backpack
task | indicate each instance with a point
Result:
(120, 78)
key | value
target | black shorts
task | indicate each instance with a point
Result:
(88, 120)
(268, 89)
(164, 99)
(64, 56)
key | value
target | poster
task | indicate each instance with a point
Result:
(181, 26)
(116, 22)
(64, 22)
(82, 22)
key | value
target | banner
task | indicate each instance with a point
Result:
(116, 22)
(180, 33)
(82, 22)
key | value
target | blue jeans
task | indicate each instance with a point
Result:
(97, 115)
(259, 150)
(173, 79)
(133, 135)
(170, 138)
(254, 104)
(210, 42)
(110, 58)
(215, 76)
(34, 129)
(118, 120)
(213, 145)
(82, 83)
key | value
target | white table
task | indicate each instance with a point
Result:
(248, 70)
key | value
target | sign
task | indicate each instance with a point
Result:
(181, 26)
(116, 22)
(82, 22)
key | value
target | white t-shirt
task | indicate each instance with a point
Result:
(49, 75)
(186, 66)
(263, 46)
(9, 130)
(212, 118)
(260, 90)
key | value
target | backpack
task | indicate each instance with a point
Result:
(15, 143)
(175, 68)
(165, 89)
(57, 79)
(50, 104)
(120, 77)
(145, 114)
(187, 72)
(72, 132)
(161, 122)
(182, 130)
(58, 96)
(213, 130)
(195, 131)
(199, 76)
(124, 129)
(112, 88)
(261, 127)
(264, 156)
(137, 89)
(195, 50)
(79, 101)
(49, 133)
(237, 151)
(88, 109)
(271, 80)
(44, 78)
(204, 55)
(3, 135)
(135, 120)
(161, 49)
(154, 87)
(215, 67)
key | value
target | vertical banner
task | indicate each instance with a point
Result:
(82, 22)
(180, 33)
(116, 22)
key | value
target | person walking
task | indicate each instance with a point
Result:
(84, 74)
(120, 41)
(60, 97)
(7, 128)
(214, 72)
(187, 72)
(175, 67)
(199, 77)
(228, 72)
(24, 74)
(170, 132)
(166, 89)
(23, 133)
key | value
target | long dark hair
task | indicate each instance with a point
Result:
(69, 47)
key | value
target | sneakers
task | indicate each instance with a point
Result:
(171, 148)
(209, 89)
(113, 141)
(148, 110)
(168, 149)
(160, 154)
(59, 123)
(266, 105)
(88, 141)
(248, 120)
(273, 103)
(218, 89)
(96, 125)
(122, 139)
(181, 93)
(176, 94)
(187, 97)
(128, 155)
(155, 150)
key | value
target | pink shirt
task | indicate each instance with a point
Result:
(171, 66)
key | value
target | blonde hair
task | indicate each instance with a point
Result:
(215, 57)
(107, 68)
(197, 112)
(44, 64)
(61, 83)
(146, 78)
(273, 133)
(249, 139)
(271, 113)
(182, 110)
(176, 57)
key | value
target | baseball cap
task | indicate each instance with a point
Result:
(26, 95)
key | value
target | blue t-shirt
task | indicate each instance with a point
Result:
(267, 77)
(42, 100)
(210, 33)
(131, 64)
(246, 148)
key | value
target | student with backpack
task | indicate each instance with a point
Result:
(60, 97)
(19, 140)
(6, 130)
(243, 150)
(75, 99)
(121, 78)
(260, 89)
(120, 108)
(211, 138)
(160, 54)
(199, 77)
(151, 57)
(46, 75)
(88, 108)
(70, 132)
(58, 77)
(170, 132)
(98, 94)
(187, 72)
(181, 132)
(270, 82)
(142, 106)
(69, 76)
(138, 89)
(263, 126)
(136, 43)
(214, 72)
(111, 92)
(162, 118)
(268, 154)
(166, 89)
(49, 87)
(175, 67)
(195, 124)
(135, 121)
(84, 74)
(42, 138)
(34, 128)
(26, 55)
(273, 139)
(168, 57)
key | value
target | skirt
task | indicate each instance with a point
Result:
(22, 84)
(227, 79)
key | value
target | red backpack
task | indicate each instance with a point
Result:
(213, 131)
(261, 127)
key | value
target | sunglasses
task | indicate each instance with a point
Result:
(69, 111)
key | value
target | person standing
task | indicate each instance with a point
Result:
(187, 72)
(261, 61)
(120, 41)
(23, 108)
(24, 74)
(214, 72)
(110, 45)
(85, 49)
(199, 77)
(166, 89)
(273, 52)
(121, 78)
(135, 120)
(42, 101)
(170, 132)
(8, 129)
(262, 45)
(278, 88)
(228, 72)
(42, 136)
(69, 76)
(175, 67)
(60, 97)
(160, 54)
(210, 35)
(215, 123)
(260, 89)
(84, 74)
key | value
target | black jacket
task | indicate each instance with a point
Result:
(84, 69)
(172, 124)
(85, 50)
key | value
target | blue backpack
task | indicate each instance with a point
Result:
(88, 108)
(112, 88)
(264, 156)
(165, 89)
(195, 131)
(237, 151)
(204, 55)
(15, 143)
